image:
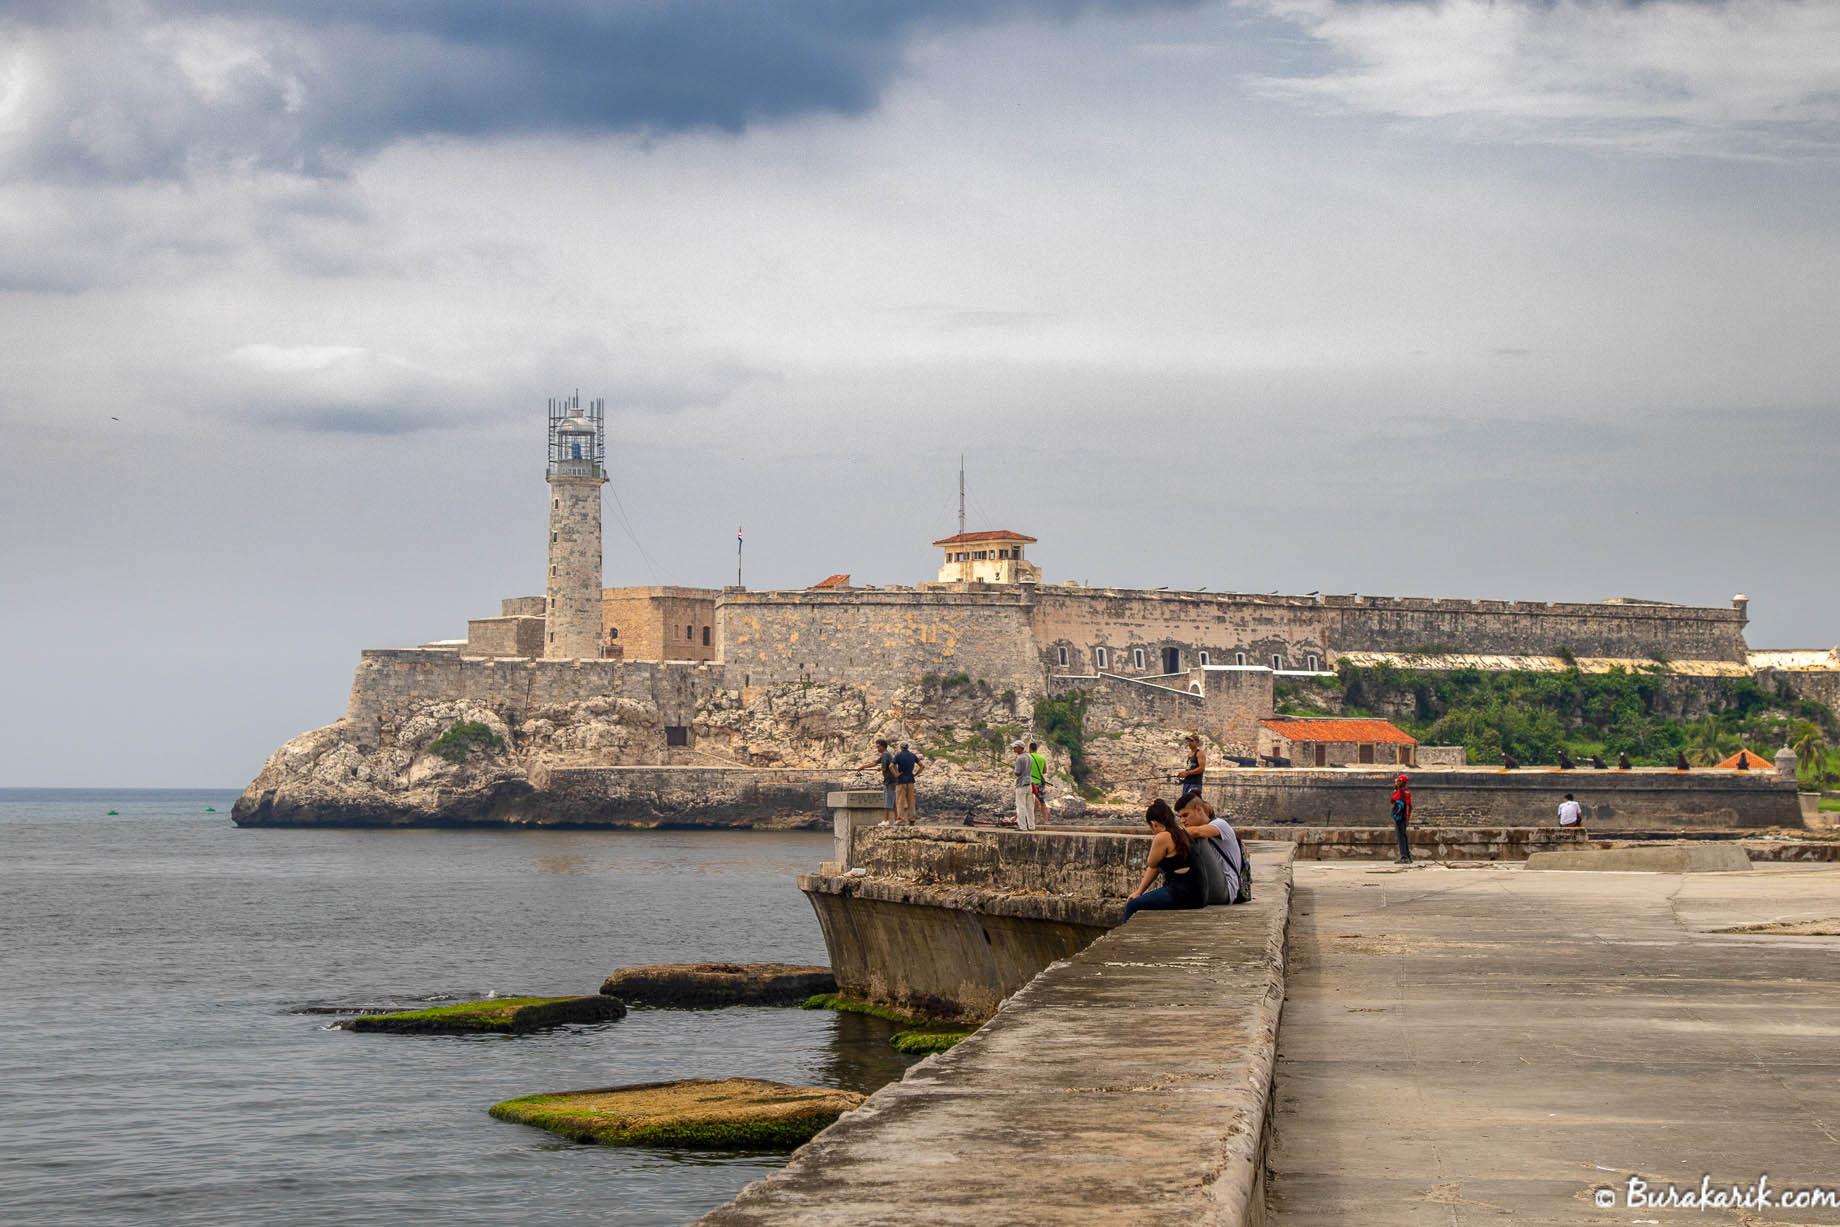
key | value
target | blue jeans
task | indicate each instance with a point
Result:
(1151, 900)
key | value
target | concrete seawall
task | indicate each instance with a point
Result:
(1643, 799)
(1129, 1084)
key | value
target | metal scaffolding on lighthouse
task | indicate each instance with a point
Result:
(577, 437)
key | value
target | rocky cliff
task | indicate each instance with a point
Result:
(759, 757)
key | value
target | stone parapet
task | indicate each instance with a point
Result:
(1129, 1084)
(1428, 843)
(1643, 799)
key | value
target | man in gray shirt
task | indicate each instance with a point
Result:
(1025, 788)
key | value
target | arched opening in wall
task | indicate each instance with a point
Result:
(1313, 662)
(706, 639)
(1062, 661)
(1172, 660)
(1204, 660)
(1101, 658)
(1277, 662)
(689, 633)
(1239, 658)
(1194, 688)
(1137, 659)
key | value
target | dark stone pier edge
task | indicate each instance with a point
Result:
(1059, 1109)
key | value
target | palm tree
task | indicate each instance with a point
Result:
(1707, 742)
(1810, 746)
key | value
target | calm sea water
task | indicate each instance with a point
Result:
(157, 1067)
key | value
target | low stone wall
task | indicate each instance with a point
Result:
(682, 796)
(1080, 864)
(1643, 799)
(1428, 843)
(1129, 1084)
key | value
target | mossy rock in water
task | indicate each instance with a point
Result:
(693, 1113)
(503, 1015)
(718, 984)
(914, 1042)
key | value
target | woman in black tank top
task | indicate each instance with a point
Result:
(1171, 854)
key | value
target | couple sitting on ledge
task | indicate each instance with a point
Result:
(1198, 854)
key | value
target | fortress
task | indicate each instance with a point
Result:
(588, 677)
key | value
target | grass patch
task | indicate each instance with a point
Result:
(692, 1113)
(500, 1015)
(458, 741)
(1828, 805)
(915, 1042)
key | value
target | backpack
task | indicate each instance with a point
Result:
(1208, 862)
(1245, 869)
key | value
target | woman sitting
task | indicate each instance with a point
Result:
(1171, 851)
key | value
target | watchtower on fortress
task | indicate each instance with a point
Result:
(993, 557)
(577, 471)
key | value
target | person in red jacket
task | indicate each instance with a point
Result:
(1402, 813)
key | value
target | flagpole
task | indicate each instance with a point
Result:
(737, 556)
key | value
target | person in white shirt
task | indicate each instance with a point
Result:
(1201, 822)
(1571, 814)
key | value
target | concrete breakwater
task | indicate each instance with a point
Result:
(1129, 1082)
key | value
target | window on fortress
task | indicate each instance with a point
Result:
(1312, 661)
(676, 735)
(689, 633)
(1101, 658)
(706, 641)
(1277, 662)
(1063, 658)
(1204, 658)
(1239, 658)
(1137, 658)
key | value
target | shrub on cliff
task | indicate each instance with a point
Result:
(454, 744)
(1062, 721)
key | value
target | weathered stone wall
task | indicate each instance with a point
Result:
(680, 796)
(521, 606)
(518, 635)
(1336, 753)
(1228, 708)
(1428, 842)
(573, 600)
(663, 623)
(1644, 799)
(1124, 622)
(1391, 624)
(879, 639)
(390, 684)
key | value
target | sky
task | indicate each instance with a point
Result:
(1521, 299)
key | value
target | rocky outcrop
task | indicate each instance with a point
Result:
(761, 757)
(695, 1113)
(503, 1015)
(693, 985)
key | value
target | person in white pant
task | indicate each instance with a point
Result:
(1025, 788)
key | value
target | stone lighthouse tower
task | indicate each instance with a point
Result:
(577, 471)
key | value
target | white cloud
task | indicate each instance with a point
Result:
(1739, 78)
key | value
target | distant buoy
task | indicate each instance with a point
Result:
(117, 813)
(210, 809)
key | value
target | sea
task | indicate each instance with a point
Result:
(171, 980)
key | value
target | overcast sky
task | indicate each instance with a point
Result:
(1512, 299)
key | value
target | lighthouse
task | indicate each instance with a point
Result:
(577, 471)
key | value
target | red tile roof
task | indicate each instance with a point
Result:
(1756, 762)
(1336, 729)
(834, 581)
(1001, 534)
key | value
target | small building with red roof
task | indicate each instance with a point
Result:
(993, 557)
(1322, 741)
(1746, 761)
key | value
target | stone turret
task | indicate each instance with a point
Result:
(577, 471)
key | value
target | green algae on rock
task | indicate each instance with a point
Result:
(855, 1005)
(692, 1113)
(916, 1042)
(502, 1015)
(718, 984)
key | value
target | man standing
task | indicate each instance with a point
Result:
(906, 765)
(1571, 814)
(1038, 780)
(1195, 769)
(885, 761)
(1025, 790)
(1402, 813)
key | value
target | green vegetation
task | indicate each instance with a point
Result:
(1828, 805)
(983, 743)
(852, 1005)
(1535, 715)
(947, 682)
(695, 1113)
(456, 742)
(1301, 699)
(925, 1041)
(1062, 721)
(501, 1015)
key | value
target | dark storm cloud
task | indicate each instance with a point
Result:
(162, 88)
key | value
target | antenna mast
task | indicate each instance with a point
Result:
(961, 494)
